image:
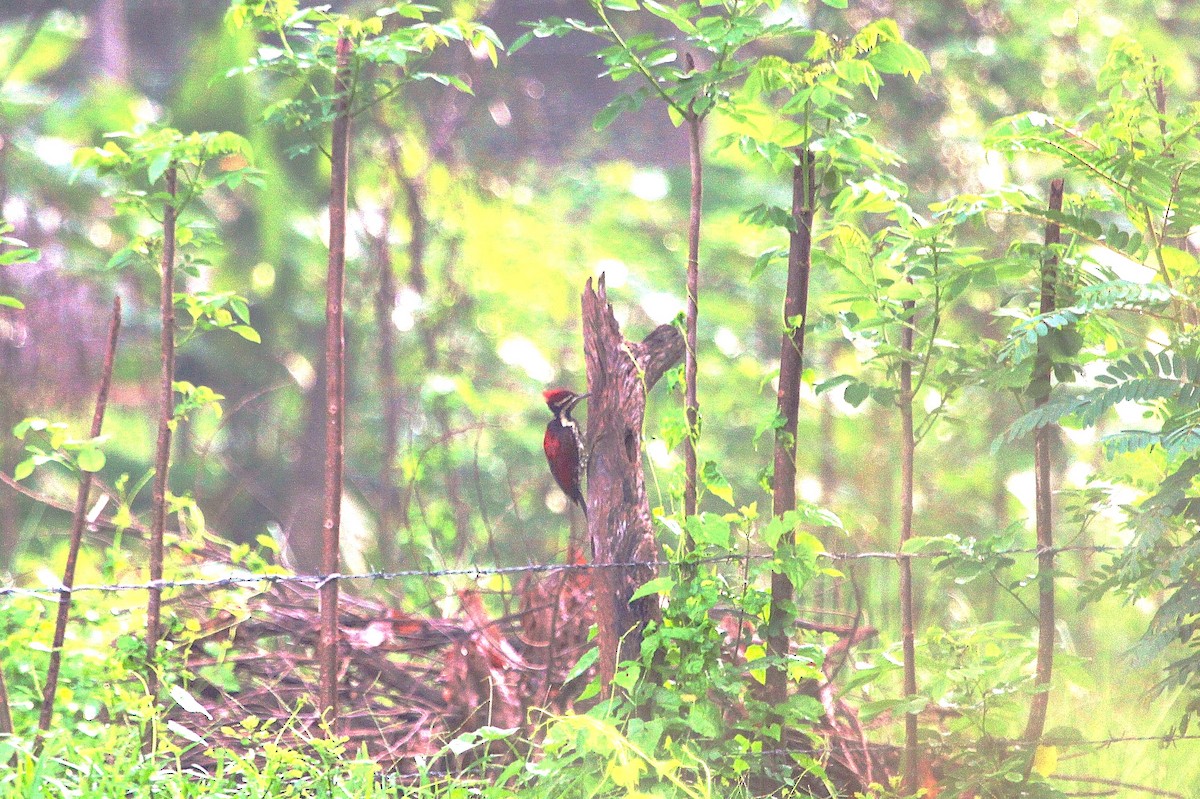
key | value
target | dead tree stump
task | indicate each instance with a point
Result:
(619, 374)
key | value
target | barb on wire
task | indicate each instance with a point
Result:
(475, 571)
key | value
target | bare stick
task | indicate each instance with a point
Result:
(690, 401)
(335, 385)
(908, 448)
(77, 522)
(1044, 508)
(791, 365)
(162, 457)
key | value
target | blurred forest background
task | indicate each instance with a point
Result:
(493, 210)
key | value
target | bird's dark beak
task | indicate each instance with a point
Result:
(578, 398)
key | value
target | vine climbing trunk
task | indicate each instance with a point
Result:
(620, 374)
(908, 447)
(791, 366)
(335, 388)
(691, 401)
(76, 539)
(162, 453)
(1043, 490)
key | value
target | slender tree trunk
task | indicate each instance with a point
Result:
(162, 456)
(335, 387)
(791, 366)
(691, 403)
(908, 447)
(77, 521)
(1044, 505)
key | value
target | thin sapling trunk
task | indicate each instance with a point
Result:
(335, 387)
(1044, 503)
(77, 522)
(791, 366)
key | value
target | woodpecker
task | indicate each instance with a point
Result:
(563, 444)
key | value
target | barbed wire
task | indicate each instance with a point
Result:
(316, 581)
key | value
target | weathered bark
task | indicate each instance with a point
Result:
(162, 457)
(620, 373)
(1044, 503)
(791, 366)
(335, 386)
(77, 521)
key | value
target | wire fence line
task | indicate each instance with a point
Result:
(316, 581)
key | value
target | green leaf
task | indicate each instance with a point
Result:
(23, 469)
(158, 166)
(11, 302)
(704, 719)
(765, 259)
(899, 58)
(121, 258)
(670, 14)
(710, 529)
(773, 532)
(585, 662)
(857, 393)
(837, 3)
(460, 84)
(675, 115)
(659, 585)
(91, 459)
(21, 255)
(716, 483)
(246, 332)
(610, 112)
(522, 40)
